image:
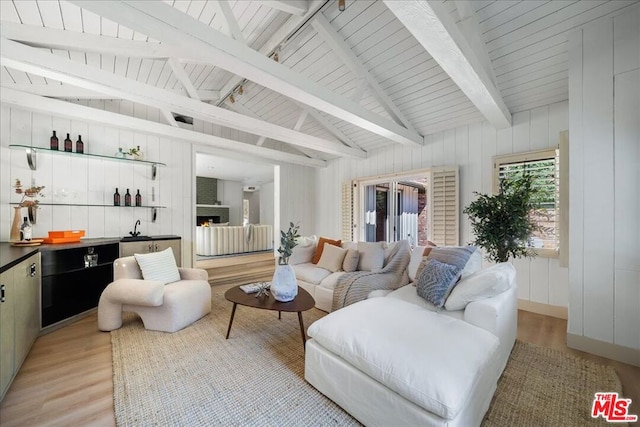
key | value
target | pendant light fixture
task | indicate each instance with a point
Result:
(342, 5)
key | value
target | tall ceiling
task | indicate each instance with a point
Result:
(294, 81)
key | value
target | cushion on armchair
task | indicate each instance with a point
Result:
(159, 266)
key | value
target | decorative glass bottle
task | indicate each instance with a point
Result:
(79, 145)
(53, 142)
(138, 199)
(116, 198)
(25, 229)
(127, 198)
(90, 258)
(68, 144)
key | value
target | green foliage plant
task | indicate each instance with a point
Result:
(287, 243)
(502, 223)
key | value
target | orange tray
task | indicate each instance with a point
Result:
(54, 240)
(67, 233)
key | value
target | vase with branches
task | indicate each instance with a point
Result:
(284, 286)
(503, 223)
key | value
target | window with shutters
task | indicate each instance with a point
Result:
(418, 206)
(544, 165)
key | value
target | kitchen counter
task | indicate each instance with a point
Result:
(12, 255)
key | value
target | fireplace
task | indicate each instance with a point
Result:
(207, 219)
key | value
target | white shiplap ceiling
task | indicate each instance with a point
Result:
(345, 82)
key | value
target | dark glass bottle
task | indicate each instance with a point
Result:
(79, 145)
(138, 199)
(127, 198)
(116, 198)
(68, 144)
(53, 141)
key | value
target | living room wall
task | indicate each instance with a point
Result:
(604, 263)
(540, 280)
(94, 181)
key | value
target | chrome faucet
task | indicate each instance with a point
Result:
(135, 233)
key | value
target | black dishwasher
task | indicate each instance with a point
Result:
(70, 284)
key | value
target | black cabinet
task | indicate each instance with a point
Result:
(70, 288)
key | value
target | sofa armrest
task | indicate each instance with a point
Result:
(148, 293)
(193, 274)
(498, 315)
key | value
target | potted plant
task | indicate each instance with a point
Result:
(503, 223)
(284, 286)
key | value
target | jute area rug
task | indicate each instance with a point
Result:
(195, 377)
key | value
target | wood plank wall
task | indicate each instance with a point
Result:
(471, 147)
(91, 181)
(604, 263)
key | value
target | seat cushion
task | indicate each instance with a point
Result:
(429, 359)
(409, 294)
(310, 273)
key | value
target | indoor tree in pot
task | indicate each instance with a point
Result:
(502, 223)
(284, 286)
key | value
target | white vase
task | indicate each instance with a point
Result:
(284, 286)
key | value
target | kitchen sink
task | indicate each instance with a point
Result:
(134, 238)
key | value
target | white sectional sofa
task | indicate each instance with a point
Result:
(397, 360)
(320, 282)
(226, 240)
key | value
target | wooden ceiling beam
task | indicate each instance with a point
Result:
(54, 90)
(338, 45)
(169, 25)
(74, 111)
(294, 7)
(24, 58)
(438, 33)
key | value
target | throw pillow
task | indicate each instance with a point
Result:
(320, 248)
(350, 263)
(474, 264)
(159, 266)
(332, 258)
(436, 280)
(417, 254)
(483, 284)
(454, 255)
(301, 254)
(371, 256)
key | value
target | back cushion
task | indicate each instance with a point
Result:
(320, 248)
(350, 263)
(301, 254)
(371, 256)
(332, 258)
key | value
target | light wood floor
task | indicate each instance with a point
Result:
(66, 379)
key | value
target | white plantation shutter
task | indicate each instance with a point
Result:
(443, 202)
(347, 211)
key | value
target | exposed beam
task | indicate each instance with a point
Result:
(53, 90)
(294, 7)
(168, 117)
(51, 38)
(328, 125)
(182, 77)
(169, 25)
(232, 23)
(437, 32)
(338, 45)
(24, 58)
(277, 39)
(69, 110)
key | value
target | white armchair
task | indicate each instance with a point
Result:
(167, 308)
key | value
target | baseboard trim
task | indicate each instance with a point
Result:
(600, 348)
(546, 309)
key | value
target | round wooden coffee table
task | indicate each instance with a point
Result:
(302, 302)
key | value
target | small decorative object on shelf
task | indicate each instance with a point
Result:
(53, 141)
(119, 154)
(79, 145)
(127, 198)
(135, 153)
(284, 286)
(138, 199)
(116, 198)
(28, 194)
(25, 230)
(68, 144)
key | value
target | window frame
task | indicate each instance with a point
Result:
(530, 156)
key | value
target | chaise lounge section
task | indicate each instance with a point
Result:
(399, 360)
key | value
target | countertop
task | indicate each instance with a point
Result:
(12, 255)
